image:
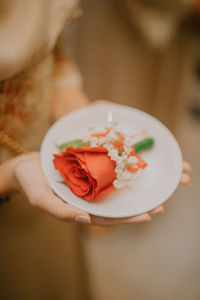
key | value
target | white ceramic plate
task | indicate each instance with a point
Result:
(155, 185)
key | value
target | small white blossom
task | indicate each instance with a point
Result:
(124, 156)
(113, 153)
(111, 136)
(119, 160)
(132, 160)
(102, 140)
(118, 184)
(120, 175)
(118, 168)
(127, 149)
(108, 146)
(121, 165)
(94, 141)
(122, 161)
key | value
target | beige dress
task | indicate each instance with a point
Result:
(40, 257)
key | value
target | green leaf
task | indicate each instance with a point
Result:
(63, 182)
(144, 145)
(78, 143)
(75, 143)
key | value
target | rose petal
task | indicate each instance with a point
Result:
(102, 168)
(89, 172)
(105, 191)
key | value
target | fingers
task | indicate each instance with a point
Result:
(117, 221)
(187, 167)
(158, 210)
(132, 220)
(35, 187)
(53, 205)
(185, 179)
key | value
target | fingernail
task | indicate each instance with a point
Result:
(83, 219)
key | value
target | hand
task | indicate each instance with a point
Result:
(24, 174)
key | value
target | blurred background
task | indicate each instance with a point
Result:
(146, 54)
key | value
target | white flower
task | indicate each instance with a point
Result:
(132, 160)
(127, 149)
(122, 161)
(108, 146)
(111, 136)
(102, 140)
(119, 160)
(118, 168)
(94, 141)
(120, 164)
(113, 153)
(120, 175)
(118, 184)
(124, 156)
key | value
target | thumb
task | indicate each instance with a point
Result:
(56, 207)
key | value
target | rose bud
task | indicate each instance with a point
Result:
(88, 172)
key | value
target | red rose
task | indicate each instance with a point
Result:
(89, 172)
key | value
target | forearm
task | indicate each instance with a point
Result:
(67, 100)
(67, 94)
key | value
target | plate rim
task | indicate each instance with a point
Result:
(103, 103)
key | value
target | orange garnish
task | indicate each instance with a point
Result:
(132, 170)
(121, 136)
(101, 134)
(118, 144)
(141, 163)
(132, 153)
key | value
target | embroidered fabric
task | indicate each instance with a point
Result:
(24, 109)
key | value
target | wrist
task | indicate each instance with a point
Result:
(9, 181)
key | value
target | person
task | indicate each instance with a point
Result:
(19, 81)
(38, 85)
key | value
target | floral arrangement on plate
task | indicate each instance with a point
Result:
(103, 161)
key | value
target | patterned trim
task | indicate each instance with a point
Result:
(10, 143)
